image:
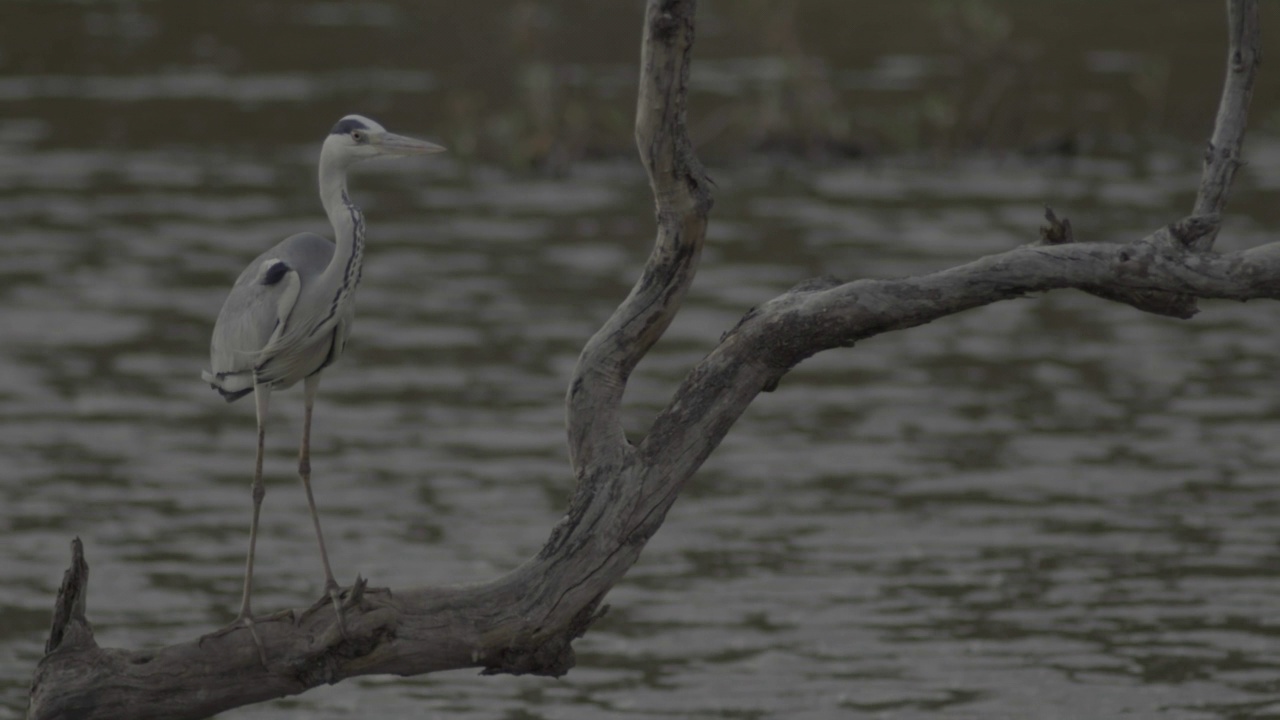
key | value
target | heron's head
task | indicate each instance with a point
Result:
(357, 138)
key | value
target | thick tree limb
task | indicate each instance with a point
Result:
(526, 621)
(825, 313)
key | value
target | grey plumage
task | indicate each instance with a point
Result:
(258, 310)
(288, 317)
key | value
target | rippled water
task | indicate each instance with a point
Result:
(1053, 507)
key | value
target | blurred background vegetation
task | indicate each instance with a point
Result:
(540, 84)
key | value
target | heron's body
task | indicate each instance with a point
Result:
(260, 307)
(290, 312)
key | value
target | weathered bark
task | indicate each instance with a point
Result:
(1222, 154)
(526, 621)
(1221, 160)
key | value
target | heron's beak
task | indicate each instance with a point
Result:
(400, 145)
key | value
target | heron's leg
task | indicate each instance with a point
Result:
(310, 386)
(262, 398)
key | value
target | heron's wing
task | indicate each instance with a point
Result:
(259, 304)
(258, 309)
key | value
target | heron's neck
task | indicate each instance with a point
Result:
(343, 272)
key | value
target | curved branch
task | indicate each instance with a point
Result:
(1222, 155)
(682, 195)
(823, 314)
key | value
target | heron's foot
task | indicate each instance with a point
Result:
(334, 592)
(341, 599)
(245, 621)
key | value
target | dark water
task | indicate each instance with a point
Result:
(1049, 508)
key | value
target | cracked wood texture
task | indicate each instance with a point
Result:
(525, 622)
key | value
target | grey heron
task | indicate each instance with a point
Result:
(289, 314)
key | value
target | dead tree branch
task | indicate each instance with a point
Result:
(683, 199)
(1222, 155)
(526, 621)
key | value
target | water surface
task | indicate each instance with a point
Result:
(1051, 507)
